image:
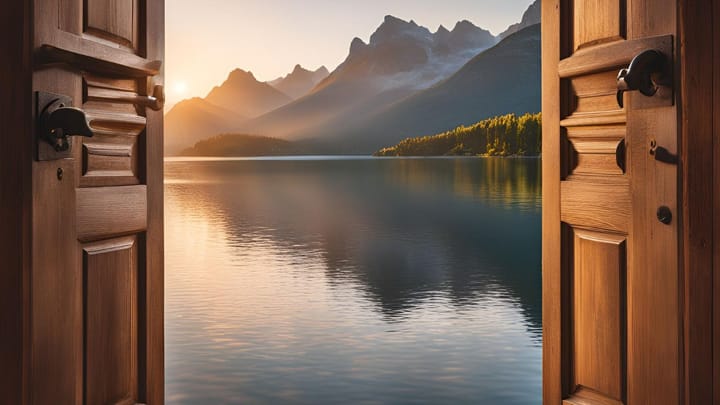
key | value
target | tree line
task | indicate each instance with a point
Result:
(507, 135)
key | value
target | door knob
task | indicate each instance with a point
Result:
(57, 121)
(641, 75)
(155, 102)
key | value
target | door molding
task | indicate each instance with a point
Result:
(700, 179)
(16, 156)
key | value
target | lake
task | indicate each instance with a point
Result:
(326, 280)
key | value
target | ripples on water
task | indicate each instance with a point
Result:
(342, 281)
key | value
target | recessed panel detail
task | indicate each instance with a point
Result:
(113, 21)
(598, 313)
(111, 308)
(598, 21)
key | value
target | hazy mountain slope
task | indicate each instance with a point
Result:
(241, 145)
(242, 94)
(300, 81)
(504, 79)
(530, 17)
(240, 97)
(400, 58)
(194, 119)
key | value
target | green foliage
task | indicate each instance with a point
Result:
(507, 135)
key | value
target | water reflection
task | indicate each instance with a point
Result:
(359, 280)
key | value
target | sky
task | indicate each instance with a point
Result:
(207, 39)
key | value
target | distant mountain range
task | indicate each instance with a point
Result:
(406, 81)
(300, 81)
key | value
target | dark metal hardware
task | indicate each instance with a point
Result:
(664, 215)
(56, 121)
(642, 75)
(620, 155)
(662, 155)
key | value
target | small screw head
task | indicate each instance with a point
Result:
(60, 173)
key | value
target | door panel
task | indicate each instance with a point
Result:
(115, 21)
(597, 21)
(97, 325)
(599, 313)
(111, 304)
(610, 269)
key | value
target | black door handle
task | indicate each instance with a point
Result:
(57, 121)
(641, 75)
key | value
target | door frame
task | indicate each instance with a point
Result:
(700, 178)
(16, 157)
(699, 196)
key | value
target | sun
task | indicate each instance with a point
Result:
(180, 88)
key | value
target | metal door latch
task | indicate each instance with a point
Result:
(642, 75)
(57, 120)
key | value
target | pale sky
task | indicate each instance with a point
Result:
(206, 39)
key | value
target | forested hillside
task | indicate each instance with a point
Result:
(507, 135)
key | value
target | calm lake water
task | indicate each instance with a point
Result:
(353, 281)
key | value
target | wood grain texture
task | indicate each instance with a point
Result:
(154, 281)
(596, 203)
(584, 396)
(716, 198)
(57, 311)
(598, 21)
(654, 301)
(696, 52)
(115, 21)
(56, 304)
(596, 149)
(104, 212)
(599, 313)
(613, 55)
(552, 308)
(15, 199)
(94, 57)
(111, 317)
(716, 203)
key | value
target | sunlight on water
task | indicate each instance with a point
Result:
(334, 281)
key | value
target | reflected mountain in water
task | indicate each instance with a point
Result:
(402, 231)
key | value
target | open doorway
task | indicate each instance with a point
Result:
(353, 203)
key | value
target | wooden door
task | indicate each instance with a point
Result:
(96, 300)
(612, 309)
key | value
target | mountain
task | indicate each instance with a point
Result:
(239, 98)
(242, 145)
(194, 119)
(246, 96)
(300, 81)
(400, 59)
(530, 17)
(503, 79)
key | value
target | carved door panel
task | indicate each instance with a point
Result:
(97, 246)
(612, 313)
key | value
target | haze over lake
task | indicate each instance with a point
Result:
(353, 280)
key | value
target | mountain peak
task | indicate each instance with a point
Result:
(300, 81)
(391, 19)
(356, 45)
(442, 30)
(241, 74)
(464, 25)
(530, 17)
(393, 28)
